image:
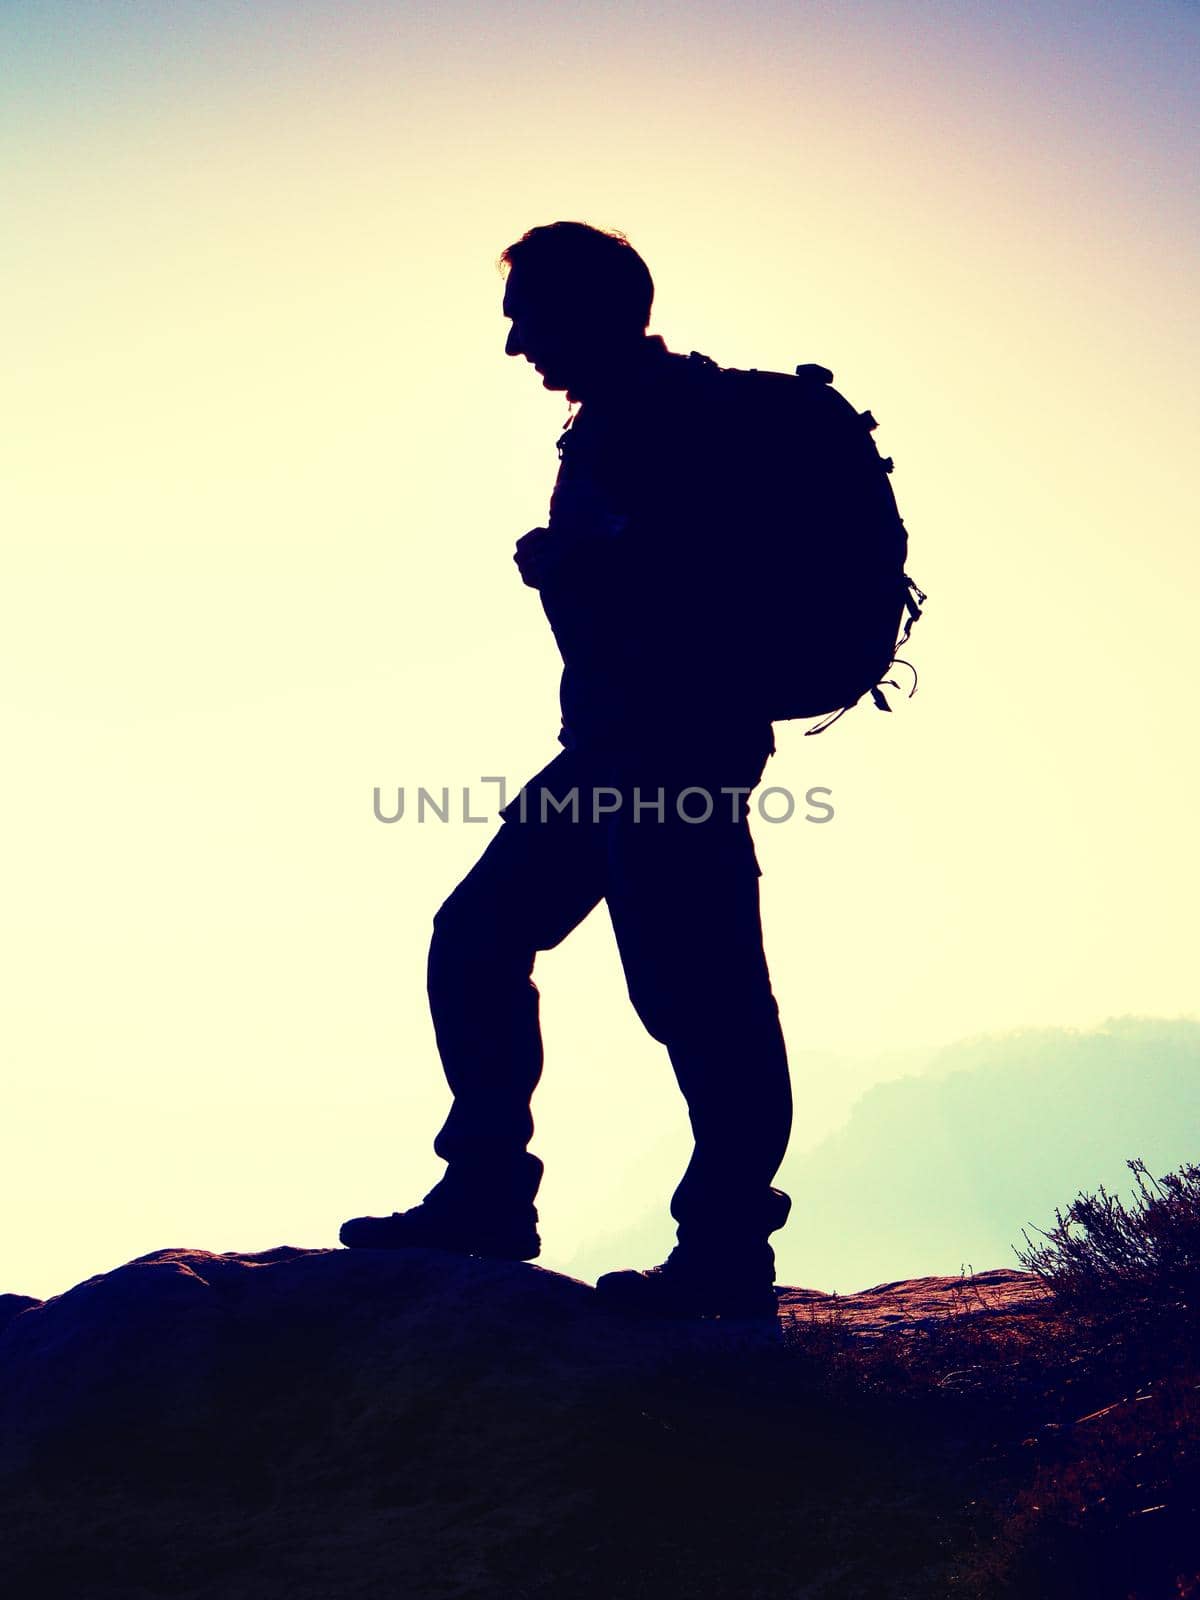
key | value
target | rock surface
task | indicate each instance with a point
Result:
(350, 1423)
(919, 1302)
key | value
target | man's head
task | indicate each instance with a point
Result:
(579, 300)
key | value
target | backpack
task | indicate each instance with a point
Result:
(821, 541)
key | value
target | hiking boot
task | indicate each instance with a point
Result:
(477, 1209)
(682, 1288)
(508, 1236)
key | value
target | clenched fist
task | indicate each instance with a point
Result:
(542, 551)
(535, 555)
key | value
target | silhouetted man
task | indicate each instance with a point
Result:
(646, 807)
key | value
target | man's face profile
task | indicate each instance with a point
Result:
(542, 337)
(564, 343)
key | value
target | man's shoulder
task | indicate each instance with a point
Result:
(733, 410)
(713, 410)
(691, 388)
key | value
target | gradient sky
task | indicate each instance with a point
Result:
(263, 466)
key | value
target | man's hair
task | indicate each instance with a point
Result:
(576, 263)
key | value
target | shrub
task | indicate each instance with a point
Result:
(1102, 1251)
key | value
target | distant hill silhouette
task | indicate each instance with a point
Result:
(933, 1172)
(942, 1169)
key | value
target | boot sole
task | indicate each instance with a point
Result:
(523, 1251)
(647, 1297)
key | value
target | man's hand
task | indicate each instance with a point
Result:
(541, 552)
(535, 556)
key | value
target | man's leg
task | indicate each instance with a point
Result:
(537, 879)
(684, 902)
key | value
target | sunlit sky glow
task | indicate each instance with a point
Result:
(265, 461)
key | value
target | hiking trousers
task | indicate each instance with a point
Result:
(664, 840)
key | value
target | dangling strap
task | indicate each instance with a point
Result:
(913, 607)
(914, 599)
(899, 661)
(828, 723)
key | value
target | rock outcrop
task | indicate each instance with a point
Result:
(344, 1423)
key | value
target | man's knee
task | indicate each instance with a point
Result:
(678, 1010)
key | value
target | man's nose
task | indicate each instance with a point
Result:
(512, 345)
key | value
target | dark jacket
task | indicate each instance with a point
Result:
(649, 602)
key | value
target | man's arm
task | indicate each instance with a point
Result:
(543, 552)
